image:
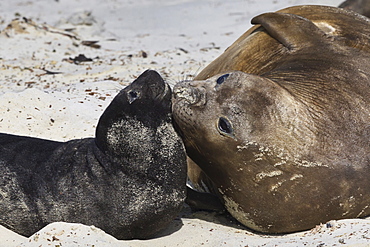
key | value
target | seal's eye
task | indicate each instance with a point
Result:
(225, 126)
(132, 96)
(222, 78)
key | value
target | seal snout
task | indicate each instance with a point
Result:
(152, 85)
(192, 95)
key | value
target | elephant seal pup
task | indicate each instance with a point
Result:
(290, 148)
(130, 180)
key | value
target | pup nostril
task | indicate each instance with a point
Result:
(132, 96)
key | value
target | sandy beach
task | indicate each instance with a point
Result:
(63, 61)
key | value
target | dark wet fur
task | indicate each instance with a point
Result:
(95, 181)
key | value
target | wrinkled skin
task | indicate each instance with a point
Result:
(130, 180)
(279, 123)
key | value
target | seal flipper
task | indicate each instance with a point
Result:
(203, 201)
(291, 30)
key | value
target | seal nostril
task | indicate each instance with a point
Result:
(132, 96)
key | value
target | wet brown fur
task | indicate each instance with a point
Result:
(299, 154)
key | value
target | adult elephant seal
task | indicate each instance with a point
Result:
(129, 180)
(287, 147)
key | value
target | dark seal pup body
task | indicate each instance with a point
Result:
(129, 180)
(285, 142)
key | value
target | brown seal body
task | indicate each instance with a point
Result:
(258, 51)
(284, 141)
(360, 6)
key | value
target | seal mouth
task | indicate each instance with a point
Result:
(192, 95)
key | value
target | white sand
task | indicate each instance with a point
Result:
(177, 38)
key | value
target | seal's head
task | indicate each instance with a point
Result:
(213, 114)
(145, 97)
(217, 111)
(131, 127)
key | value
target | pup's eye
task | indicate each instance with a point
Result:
(132, 96)
(222, 78)
(225, 126)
